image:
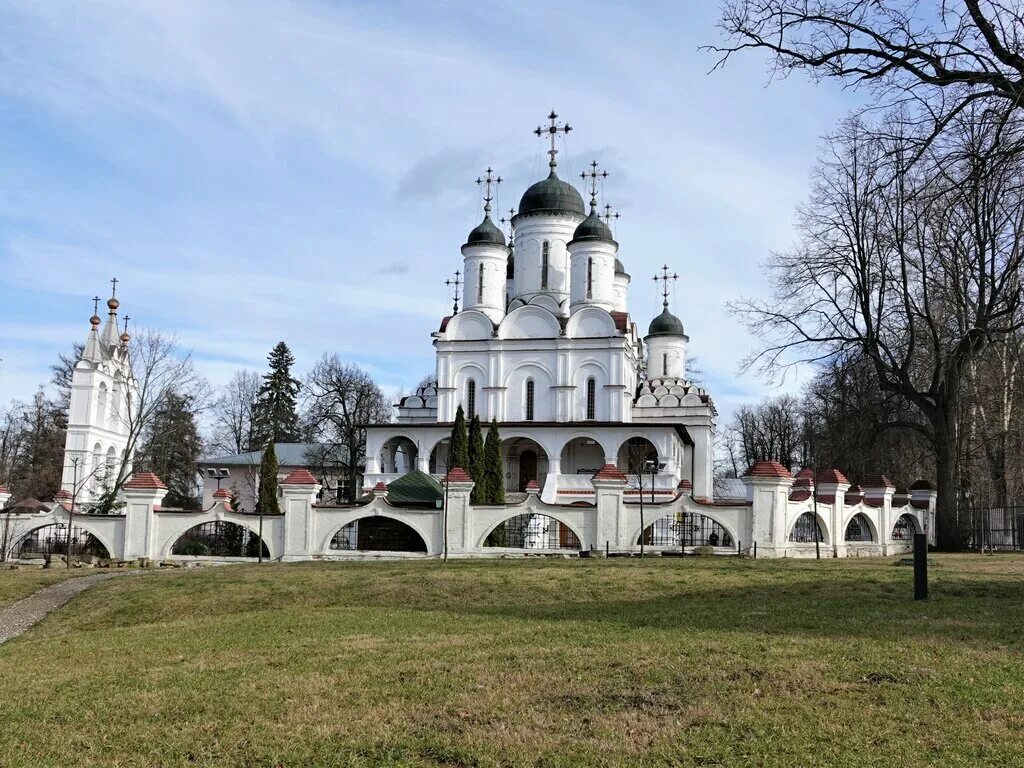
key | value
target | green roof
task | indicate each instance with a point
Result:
(552, 195)
(415, 488)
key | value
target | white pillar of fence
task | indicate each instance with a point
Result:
(299, 492)
(142, 494)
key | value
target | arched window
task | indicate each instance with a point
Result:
(115, 407)
(529, 531)
(219, 538)
(664, 364)
(591, 399)
(101, 406)
(905, 528)
(529, 399)
(590, 277)
(111, 468)
(470, 399)
(544, 259)
(480, 285)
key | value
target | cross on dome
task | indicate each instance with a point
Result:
(488, 182)
(553, 129)
(593, 175)
(664, 279)
(454, 283)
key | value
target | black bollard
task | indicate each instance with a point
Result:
(920, 566)
(755, 550)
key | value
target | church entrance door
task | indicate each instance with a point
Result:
(527, 468)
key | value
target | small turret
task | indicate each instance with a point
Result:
(486, 261)
(666, 339)
(592, 255)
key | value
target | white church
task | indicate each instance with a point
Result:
(607, 446)
(545, 344)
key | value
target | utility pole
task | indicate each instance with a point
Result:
(71, 512)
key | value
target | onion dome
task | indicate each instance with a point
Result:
(94, 321)
(552, 195)
(125, 338)
(592, 228)
(113, 304)
(666, 324)
(619, 269)
(486, 233)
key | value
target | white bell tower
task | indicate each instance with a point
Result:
(103, 392)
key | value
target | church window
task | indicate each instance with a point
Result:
(591, 399)
(470, 399)
(544, 258)
(590, 278)
(480, 285)
(664, 364)
(101, 406)
(529, 399)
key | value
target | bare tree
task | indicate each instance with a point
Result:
(233, 413)
(939, 58)
(772, 430)
(342, 400)
(916, 266)
(161, 370)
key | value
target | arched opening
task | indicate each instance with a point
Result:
(635, 456)
(95, 481)
(53, 540)
(806, 530)
(530, 531)
(687, 529)
(858, 529)
(219, 538)
(582, 456)
(905, 527)
(470, 398)
(398, 455)
(110, 468)
(591, 399)
(530, 389)
(115, 407)
(438, 458)
(525, 462)
(378, 534)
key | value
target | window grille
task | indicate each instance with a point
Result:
(470, 399)
(544, 265)
(591, 399)
(529, 400)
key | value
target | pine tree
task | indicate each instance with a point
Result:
(171, 450)
(459, 445)
(493, 469)
(276, 418)
(266, 498)
(476, 458)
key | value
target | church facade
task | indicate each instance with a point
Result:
(545, 345)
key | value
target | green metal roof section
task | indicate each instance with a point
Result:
(486, 233)
(415, 488)
(552, 195)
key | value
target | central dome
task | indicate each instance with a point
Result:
(552, 195)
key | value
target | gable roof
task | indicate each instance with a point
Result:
(288, 455)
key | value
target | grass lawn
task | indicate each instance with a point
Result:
(699, 661)
(16, 584)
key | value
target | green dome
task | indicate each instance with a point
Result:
(592, 228)
(666, 324)
(551, 196)
(486, 232)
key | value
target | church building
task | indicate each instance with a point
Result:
(545, 344)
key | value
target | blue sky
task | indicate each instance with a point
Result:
(255, 171)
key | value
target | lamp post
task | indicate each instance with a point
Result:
(71, 511)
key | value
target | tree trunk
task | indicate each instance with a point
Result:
(946, 523)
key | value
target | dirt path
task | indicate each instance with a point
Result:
(17, 618)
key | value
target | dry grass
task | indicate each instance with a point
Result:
(659, 662)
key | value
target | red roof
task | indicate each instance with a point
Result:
(609, 472)
(800, 495)
(768, 469)
(380, 486)
(877, 481)
(300, 477)
(686, 484)
(621, 320)
(458, 475)
(63, 493)
(805, 474)
(444, 323)
(145, 481)
(222, 493)
(832, 476)
(3, 489)
(532, 486)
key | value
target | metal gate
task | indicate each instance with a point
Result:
(991, 528)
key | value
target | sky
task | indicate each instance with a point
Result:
(304, 171)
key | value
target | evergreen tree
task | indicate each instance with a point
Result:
(493, 469)
(476, 458)
(459, 444)
(266, 496)
(171, 449)
(276, 418)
